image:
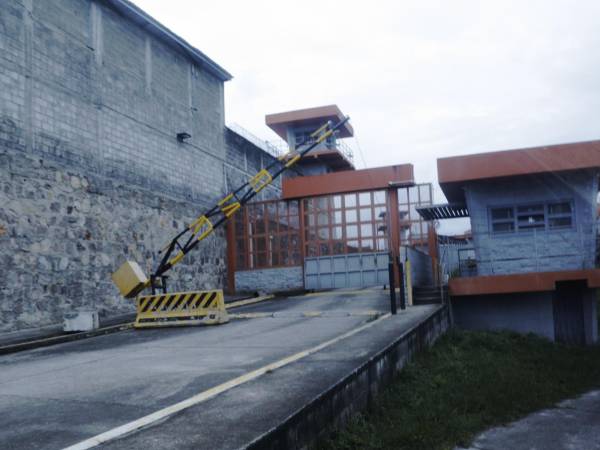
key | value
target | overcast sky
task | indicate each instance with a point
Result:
(420, 79)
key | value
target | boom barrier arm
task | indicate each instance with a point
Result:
(225, 208)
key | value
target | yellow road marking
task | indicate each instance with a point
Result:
(203, 396)
(249, 301)
(249, 315)
(334, 292)
(290, 314)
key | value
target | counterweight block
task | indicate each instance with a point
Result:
(130, 279)
(181, 308)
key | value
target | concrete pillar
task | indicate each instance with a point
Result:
(97, 33)
(148, 64)
(28, 72)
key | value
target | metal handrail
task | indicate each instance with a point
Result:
(264, 145)
(537, 253)
(282, 147)
(345, 150)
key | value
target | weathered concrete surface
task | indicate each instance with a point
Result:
(573, 425)
(54, 397)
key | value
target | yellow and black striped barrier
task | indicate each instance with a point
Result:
(181, 308)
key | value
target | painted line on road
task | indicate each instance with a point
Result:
(249, 301)
(210, 393)
(340, 292)
(306, 314)
(254, 315)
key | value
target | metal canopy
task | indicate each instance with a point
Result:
(447, 211)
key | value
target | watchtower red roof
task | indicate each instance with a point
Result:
(280, 122)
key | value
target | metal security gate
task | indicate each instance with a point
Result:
(346, 271)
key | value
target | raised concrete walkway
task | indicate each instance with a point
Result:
(573, 425)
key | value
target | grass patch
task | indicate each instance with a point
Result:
(468, 382)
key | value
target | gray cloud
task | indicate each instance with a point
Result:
(420, 79)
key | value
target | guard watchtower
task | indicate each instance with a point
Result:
(294, 127)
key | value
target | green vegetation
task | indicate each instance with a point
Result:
(466, 383)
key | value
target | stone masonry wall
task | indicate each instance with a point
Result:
(63, 233)
(91, 172)
(269, 280)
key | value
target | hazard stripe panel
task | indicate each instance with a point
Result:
(181, 308)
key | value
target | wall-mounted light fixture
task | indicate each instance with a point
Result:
(181, 137)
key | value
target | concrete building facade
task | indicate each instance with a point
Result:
(532, 265)
(562, 232)
(93, 96)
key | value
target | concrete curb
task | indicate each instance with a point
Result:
(46, 342)
(353, 393)
(62, 338)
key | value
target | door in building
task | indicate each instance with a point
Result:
(568, 312)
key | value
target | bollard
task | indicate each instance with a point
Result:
(402, 290)
(392, 288)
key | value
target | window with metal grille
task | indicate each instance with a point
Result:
(413, 229)
(345, 223)
(560, 215)
(503, 220)
(267, 234)
(529, 217)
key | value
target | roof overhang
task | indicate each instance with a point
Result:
(349, 181)
(446, 211)
(280, 122)
(455, 172)
(145, 21)
(522, 282)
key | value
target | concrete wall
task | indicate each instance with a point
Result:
(333, 409)
(243, 160)
(590, 316)
(523, 313)
(269, 280)
(420, 264)
(530, 251)
(91, 172)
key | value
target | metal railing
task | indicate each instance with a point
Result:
(345, 150)
(339, 145)
(267, 146)
(534, 251)
(279, 147)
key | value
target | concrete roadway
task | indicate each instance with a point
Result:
(58, 396)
